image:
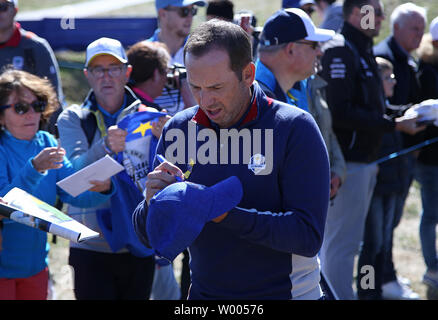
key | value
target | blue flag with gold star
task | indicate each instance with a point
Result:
(139, 124)
(137, 158)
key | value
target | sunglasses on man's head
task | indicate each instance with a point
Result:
(23, 107)
(4, 6)
(183, 11)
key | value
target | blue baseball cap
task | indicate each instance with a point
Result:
(177, 214)
(159, 4)
(292, 24)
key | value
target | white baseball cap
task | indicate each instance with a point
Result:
(103, 46)
(433, 29)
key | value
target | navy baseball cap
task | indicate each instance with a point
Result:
(292, 24)
(177, 214)
(159, 4)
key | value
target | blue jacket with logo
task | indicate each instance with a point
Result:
(264, 248)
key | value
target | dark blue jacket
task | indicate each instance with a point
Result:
(355, 94)
(266, 247)
(407, 88)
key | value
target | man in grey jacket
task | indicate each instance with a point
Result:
(102, 269)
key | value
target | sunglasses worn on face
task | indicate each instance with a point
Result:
(313, 44)
(183, 11)
(4, 6)
(23, 107)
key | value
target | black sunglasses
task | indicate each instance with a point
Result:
(183, 11)
(4, 6)
(23, 107)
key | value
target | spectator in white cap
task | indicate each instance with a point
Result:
(427, 163)
(26, 51)
(107, 267)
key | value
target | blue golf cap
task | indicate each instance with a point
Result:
(159, 4)
(177, 214)
(292, 24)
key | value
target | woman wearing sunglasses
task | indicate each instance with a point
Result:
(31, 160)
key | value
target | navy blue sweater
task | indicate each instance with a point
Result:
(266, 247)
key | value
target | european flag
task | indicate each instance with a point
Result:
(139, 124)
(116, 221)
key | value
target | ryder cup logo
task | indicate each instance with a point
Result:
(257, 163)
(18, 62)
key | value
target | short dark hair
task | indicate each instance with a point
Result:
(222, 35)
(145, 57)
(221, 8)
(349, 5)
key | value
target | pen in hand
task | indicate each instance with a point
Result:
(162, 159)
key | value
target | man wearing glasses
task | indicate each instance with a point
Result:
(175, 19)
(355, 98)
(288, 52)
(103, 270)
(26, 51)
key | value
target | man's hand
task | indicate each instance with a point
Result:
(157, 126)
(408, 125)
(49, 158)
(162, 176)
(115, 140)
(100, 186)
